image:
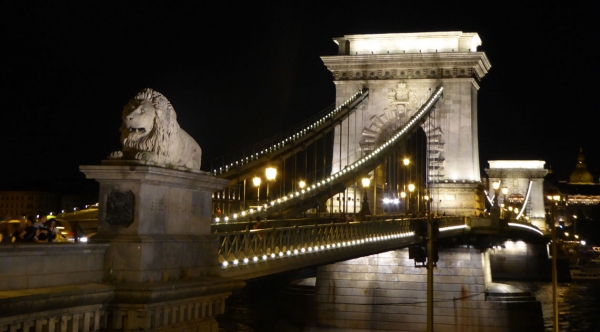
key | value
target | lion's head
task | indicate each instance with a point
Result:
(149, 123)
(150, 133)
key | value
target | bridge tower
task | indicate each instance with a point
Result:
(401, 71)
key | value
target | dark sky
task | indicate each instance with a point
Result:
(240, 73)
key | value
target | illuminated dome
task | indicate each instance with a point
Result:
(581, 174)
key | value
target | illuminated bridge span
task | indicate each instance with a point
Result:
(284, 245)
(292, 204)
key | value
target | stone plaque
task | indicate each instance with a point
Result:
(119, 208)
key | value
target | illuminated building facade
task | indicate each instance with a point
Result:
(578, 215)
(15, 204)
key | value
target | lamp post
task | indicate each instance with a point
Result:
(364, 208)
(256, 181)
(504, 202)
(403, 195)
(554, 200)
(495, 211)
(301, 184)
(430, 265)
(411, 188)
(270, 173)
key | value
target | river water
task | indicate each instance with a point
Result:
(578, 304)
(256, 308)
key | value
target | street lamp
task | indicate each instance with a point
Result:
(256, 181)
(270, 173)
(554, 201)
(301, 184)
(411, 188)
(364, 208)
(403, 195)
(495, 210)
(406, 162)
(506, 205)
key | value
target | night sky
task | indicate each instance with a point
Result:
(238, 74)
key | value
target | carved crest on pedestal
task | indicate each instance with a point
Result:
(119, 208)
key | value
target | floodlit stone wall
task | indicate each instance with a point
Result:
(385, 292)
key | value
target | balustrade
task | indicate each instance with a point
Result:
(253, 245)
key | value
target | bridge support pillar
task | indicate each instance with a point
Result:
(385, 292)
(162, 258)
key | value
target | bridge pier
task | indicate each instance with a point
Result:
(385, 292)
(162, 257)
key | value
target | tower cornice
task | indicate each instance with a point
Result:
(408, 65)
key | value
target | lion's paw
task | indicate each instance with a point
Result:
(144, 155)
(116, 155)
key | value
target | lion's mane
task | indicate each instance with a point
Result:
(166, 143)
(165, 131)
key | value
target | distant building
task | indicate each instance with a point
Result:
(15, 204)
(578, 212)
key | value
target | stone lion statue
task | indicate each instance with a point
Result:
(150, 133)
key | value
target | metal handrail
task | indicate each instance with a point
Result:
(266, 243)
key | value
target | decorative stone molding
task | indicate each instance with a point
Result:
(74, 319)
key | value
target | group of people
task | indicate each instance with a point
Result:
(32, 230)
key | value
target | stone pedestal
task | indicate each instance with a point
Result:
(162, 258)
(157, 221)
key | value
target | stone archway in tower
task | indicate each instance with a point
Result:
(382, 127)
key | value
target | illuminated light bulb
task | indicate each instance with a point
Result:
(295, 251)
(235, 262)
(273, 255)
(302, 250)
(235, 216)
(245, 260)
(281, 254)
(328, 246)
(264, 257)
(288, 252)
(225, 264)
(255, 259)
(226, 219)
(217, 219)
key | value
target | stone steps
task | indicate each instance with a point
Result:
(509, 297)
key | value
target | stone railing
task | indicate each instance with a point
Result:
(35, 265)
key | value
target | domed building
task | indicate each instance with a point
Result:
(578, 212)
(581, 175)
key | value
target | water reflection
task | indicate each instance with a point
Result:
(577, 304)
(255, 307)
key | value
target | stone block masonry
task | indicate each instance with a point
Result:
(385, 292)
